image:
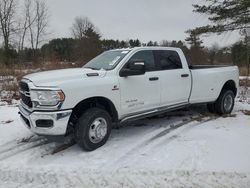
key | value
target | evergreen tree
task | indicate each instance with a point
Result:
(239, 51)
(225, 15)
(150, 43)
(134, 43)
(194, 40)
(196, 54)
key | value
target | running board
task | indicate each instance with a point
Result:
(153, 112)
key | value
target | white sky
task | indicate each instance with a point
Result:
(144, 19)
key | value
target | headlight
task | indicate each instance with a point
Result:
(47, 97)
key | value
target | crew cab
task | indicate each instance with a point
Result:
(119, 86)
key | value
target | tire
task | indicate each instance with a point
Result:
(225, 102)
(211, 108)
(93, 129)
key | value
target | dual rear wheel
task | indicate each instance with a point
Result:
(224, 104)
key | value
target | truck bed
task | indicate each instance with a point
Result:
(208, 80)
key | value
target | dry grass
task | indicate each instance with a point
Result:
(243, 71)
(19, 70)
(12, 90)
(245, 82)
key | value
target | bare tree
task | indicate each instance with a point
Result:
(87, 43)
(7, 14)
(37, 19)
(80, 26)
(25, 23)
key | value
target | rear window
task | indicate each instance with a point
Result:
(168, 59)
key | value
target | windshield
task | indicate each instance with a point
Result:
(107, 60)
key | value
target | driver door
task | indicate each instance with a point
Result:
(140, 93)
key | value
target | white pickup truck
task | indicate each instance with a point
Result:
(119, 86)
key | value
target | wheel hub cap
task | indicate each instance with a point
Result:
(98, 130)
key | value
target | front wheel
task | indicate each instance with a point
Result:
(225, 102)
(93, 129)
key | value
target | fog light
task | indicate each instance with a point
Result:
(44, 123)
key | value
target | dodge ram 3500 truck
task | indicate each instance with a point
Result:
(120, 86)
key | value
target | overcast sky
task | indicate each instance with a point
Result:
(124, 19)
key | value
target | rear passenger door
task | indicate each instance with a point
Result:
(175, 80)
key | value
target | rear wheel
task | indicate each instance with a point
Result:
(93, 129)
(225, 102)
(211, 107)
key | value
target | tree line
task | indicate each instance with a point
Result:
(24, 30)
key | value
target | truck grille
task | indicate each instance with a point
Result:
(25, 93)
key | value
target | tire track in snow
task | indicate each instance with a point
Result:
(17, 142)
(16, 148)
(199, 119)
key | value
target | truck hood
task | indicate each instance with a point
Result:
(56, 77)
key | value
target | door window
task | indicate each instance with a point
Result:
(147, 56)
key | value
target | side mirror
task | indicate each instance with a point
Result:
(136, 67)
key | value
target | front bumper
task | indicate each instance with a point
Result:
(58, 121)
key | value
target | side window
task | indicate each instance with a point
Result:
(147, 56)
(168, 60)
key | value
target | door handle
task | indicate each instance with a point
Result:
(153, 78)
(184, 75)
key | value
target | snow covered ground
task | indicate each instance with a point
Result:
(188, 148)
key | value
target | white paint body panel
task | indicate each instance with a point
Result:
(138, 93)
(174, 88)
